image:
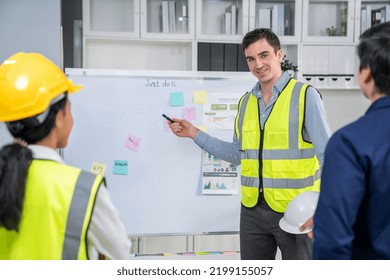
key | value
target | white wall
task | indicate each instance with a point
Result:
(343, 106)
(30, 26)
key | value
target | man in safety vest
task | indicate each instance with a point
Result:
(280, 135)
(48, 210)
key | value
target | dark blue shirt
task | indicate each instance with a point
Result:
(352, 219)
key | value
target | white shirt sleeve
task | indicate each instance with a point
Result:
(106, 234)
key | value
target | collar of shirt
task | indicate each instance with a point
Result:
(43, 152)
(380, 103)
(277, 87)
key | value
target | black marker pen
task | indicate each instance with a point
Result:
(168, 118)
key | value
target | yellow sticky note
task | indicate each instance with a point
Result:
(169, 254)
(202, 127)
(98, 168)
(200, 97)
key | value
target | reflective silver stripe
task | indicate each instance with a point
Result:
(281, 183)
(279, 154)
(291, 183)
(76, 216)
(294, 116)
(289, 154)
(242, 109)
(250, 154)
(250, 181)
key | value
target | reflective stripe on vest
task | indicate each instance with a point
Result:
(288, 163)
(76, 216)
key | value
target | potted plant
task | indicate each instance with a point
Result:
(288, 66)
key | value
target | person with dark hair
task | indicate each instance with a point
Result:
(281, 131)
(48, 210)
(352, 219)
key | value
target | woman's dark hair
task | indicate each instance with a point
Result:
(258, 34)
(373, 52)
(15, 160)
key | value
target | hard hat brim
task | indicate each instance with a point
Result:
(73, 88)
(291, 229)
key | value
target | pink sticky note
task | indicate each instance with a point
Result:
(133, 143)
(166, 126)
(189, 113)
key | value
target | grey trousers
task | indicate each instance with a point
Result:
(260, 236)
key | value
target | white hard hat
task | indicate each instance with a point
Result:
(298, 211)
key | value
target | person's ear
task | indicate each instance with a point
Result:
(60, 118)
(280, 55)
(365, 74)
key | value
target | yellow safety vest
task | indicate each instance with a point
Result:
(56, 213)
(276, 161)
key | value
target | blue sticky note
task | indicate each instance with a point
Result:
(176, 99)
(120, 167)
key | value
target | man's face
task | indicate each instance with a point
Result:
(263, 62)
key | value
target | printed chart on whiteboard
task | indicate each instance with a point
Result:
(219, 176)
(220, 111)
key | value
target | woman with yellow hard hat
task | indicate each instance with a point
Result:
(48, 210)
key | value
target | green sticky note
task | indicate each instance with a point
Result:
(120, 167)
(176, 99)
(201, 253)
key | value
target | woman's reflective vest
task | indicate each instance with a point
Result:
(57, 210)
(276, 161)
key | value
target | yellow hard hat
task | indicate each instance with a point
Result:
(28, 83)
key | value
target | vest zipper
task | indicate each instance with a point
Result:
(261, 193)
(261, 164)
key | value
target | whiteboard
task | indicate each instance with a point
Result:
(162, 192)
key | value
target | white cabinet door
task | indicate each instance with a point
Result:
(283, 17)
(107, 18)
(328, 21)
(315, 65)
(329, 66)
(342, 66)
(168, 19)
(368, 13)
(224, 20)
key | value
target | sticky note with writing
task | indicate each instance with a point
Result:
(189, 113)
(98, 168)
(120, 167)
(133, 143)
